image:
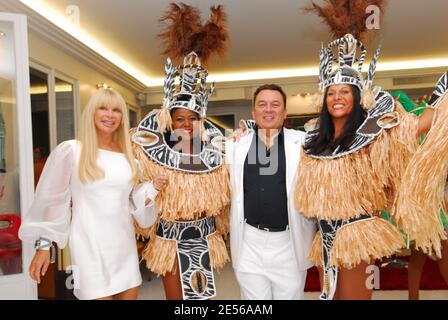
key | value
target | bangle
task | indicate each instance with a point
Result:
(46, 244)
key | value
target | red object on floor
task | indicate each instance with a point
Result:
(393, 278)
(397, 279)
(312, 280)
(10, 245)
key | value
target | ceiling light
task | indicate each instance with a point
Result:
(308, 72)
(411, 64)
(59, 20)
(302, 94)
(102, 85)
(254, 75)
(2, 34)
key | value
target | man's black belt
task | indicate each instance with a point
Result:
(267, 228)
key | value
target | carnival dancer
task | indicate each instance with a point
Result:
(352, 160)
(179, 143)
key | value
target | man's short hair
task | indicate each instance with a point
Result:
(273, 87)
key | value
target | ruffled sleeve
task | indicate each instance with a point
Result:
(404, 144)
(391, 156)
(422, 195)
(50, 213)
(143, 202)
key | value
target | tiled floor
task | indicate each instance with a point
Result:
(228, 289)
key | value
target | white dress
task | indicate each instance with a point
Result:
(99, 226)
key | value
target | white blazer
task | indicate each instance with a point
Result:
(302, 229)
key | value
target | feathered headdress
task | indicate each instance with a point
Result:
(346, 16)
(185, 86)
(342, 60)
(185, 33)
(185, 37)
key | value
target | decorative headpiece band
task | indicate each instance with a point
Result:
(192, 93)
(349, 64)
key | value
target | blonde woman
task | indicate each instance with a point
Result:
(85, 196)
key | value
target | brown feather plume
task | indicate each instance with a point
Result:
(346, 16)
(184, 32)
(183, 21)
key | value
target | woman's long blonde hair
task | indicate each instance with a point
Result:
(88, 170)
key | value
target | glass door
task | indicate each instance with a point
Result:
(16, 158)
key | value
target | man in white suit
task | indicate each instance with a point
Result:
(270, 240)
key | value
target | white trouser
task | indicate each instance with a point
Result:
(267, 268)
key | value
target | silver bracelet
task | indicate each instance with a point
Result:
(43, 243)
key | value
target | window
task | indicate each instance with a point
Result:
(40, 113)
(65, 110)
(225, 123)
(53, 101)
(133, 116)
(298, 121)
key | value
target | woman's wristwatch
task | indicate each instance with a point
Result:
(46, 244)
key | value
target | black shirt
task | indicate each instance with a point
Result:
(265, 198)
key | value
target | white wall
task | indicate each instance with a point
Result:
(48, 56)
